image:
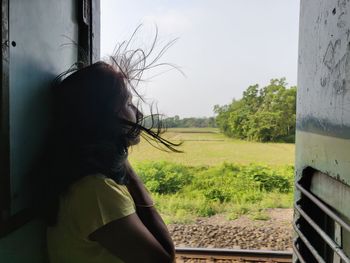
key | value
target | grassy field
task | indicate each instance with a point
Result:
(206, 146)
(215, 174)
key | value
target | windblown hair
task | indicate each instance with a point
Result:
(89, 136)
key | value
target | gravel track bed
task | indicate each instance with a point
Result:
(217, 232)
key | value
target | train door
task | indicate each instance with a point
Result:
(40, 39)
(322, 207)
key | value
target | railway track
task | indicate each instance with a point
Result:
(203, 255)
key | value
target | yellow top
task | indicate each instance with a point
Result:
(92, 202)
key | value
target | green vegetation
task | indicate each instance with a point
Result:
(216, 174)
(183, 193)
(265, 115)
(176, 122)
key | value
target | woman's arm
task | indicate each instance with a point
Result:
(139, 237)
(129, 239)
(147, 213)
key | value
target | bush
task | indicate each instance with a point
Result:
(268, 179)
(216, 195)
(183, 193)
(164, 177)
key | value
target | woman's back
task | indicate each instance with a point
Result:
(90, 203)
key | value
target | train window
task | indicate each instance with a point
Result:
(322, 220)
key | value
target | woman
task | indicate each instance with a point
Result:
(98, 209)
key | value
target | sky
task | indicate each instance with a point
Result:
(222, 47)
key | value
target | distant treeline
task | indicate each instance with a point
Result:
(177, 122)
(263, 114)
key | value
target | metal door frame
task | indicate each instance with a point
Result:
(88, 13)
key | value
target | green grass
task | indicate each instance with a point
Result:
(215, 174)
(183, 193)
(182, 208)
(206, 146)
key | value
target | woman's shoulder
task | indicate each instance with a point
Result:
(88, 182)
(97, 184)
(90, 179)
(94, 180)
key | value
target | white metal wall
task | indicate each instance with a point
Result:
(323, 101)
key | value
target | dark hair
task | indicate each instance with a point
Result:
(88, 135)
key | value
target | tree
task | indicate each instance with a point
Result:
(266, 114)
(192, 122)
